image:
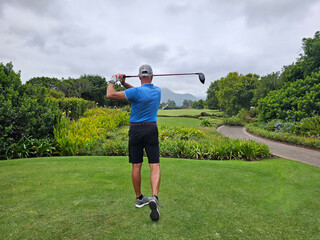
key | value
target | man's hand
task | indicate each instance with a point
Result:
(122, 78)
(115, 78)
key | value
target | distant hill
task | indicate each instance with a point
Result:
(176, 97)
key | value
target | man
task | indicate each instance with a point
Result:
(143, 133)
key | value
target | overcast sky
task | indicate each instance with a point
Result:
(64, 38)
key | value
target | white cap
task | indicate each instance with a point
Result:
(145, 71)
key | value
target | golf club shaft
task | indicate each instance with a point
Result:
(169, 74)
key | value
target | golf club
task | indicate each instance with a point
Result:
(201, 75)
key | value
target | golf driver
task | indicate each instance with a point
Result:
(201, 75)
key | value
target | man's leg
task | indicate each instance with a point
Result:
(155, 176)
(136, 178)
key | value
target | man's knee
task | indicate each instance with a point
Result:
(154, 165)
(136, 166)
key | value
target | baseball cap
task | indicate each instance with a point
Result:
(145, 71)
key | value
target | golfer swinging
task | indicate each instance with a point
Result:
(143, 133)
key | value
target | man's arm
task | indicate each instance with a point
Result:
(113, 94)
(111, 91)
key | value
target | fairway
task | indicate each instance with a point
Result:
(93, 198)
(178, 122)
(191, 112)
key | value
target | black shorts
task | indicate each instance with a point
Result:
(143, 137)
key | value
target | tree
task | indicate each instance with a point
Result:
(75, 87)
(294, 101)
(311, 57)
(162, 105)
(98, 90)
(307, 63)
(187, 103)
(45, 81)
(212, 100)
(198, 104)
(171, 104)
(236, 92)
(266, 84)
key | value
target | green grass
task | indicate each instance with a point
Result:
(181, 112)
(93, 198)
(179, 121)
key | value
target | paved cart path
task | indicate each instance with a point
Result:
(279, 149)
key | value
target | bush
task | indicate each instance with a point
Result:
(25, 110)
(30, 147)
(206, 123)
(74, 107)
(88, 132)
(309, 127)
(233, 121)
(293, 102)
(181, 142)
(312, 142)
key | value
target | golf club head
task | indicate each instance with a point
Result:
(202, 78)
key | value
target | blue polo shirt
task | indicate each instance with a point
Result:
(145, 101)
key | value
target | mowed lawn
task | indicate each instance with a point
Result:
(93, 198)
(178, 122)
(191, 112)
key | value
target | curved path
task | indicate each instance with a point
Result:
(279, 149)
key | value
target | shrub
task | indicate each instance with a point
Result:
(89, 131)
(293, 102)
(74, 107)
(198, 145)
(25, 110)
(310, 127)
(30, 147)
(233, 121)
(181, 133)
(312, 142)
(206, 123)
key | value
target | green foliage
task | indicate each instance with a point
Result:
(308, 63)
(180, 133)
(45, 81)
(309, 127)
(233, 121)
(187, 103)
(171, 104)
(198, 104)
(98, 91)
(266, 84)
(311, 58)
(294, 101)
(212, 100)
(74, 107)
(206, 123)
(260, 130)
(89, 132)
(184, 142)
(25, 110)
(30, 147)
(53, 93)
(75, 87)
(236, 91)
(218, 149)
